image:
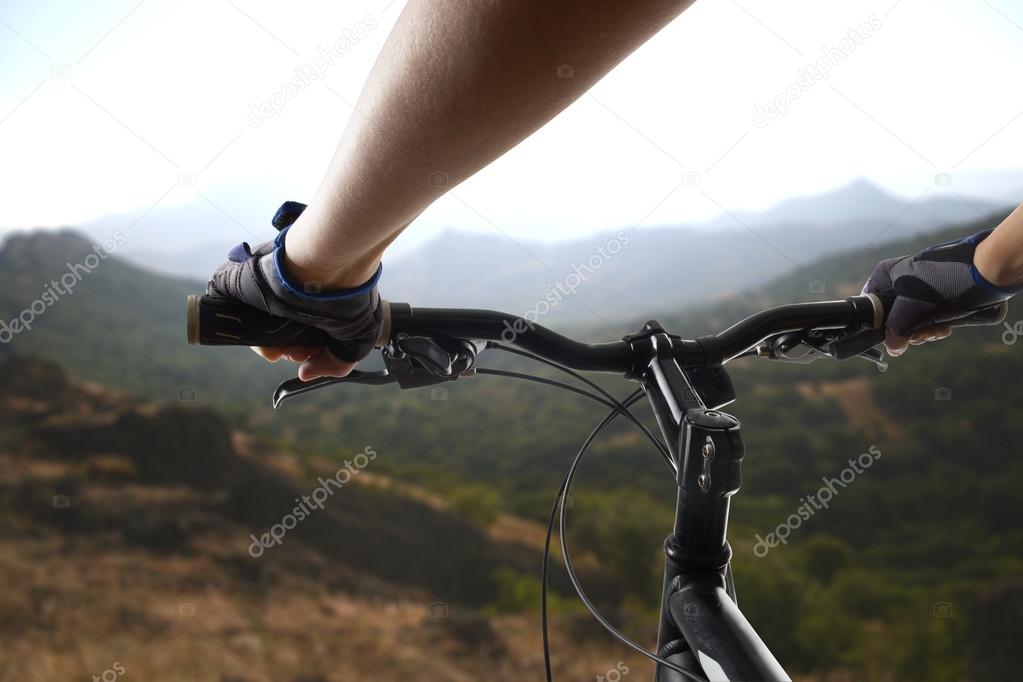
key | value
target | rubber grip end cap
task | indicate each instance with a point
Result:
(192, 317)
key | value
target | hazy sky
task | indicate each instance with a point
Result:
(113, 106)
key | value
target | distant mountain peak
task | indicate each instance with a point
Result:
(64, 236)
(860, 185)
(858, 200)
(28, 249)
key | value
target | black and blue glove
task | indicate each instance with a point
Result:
(258, 277)
(937, 287)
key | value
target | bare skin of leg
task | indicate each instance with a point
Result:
(999, 258)
(457, 84)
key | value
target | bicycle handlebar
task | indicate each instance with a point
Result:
(864, 311)
(489, 325)
(214, 320)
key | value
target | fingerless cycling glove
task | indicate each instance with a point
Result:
(258, 277)
(939, 285)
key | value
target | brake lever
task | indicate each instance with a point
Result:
(793, 347)
(292, 387)
(412, 362)
(805, 347)
(430, 354)
(857, 344)
(420, 361)
(876, 356)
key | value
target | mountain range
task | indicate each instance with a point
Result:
(598, 279)
(659, 269)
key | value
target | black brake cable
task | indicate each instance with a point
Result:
(544, 571)
(543, 380)
(617, 408)
(566, 486)
(614, 401)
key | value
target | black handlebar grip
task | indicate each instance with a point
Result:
(219, 321)
(865, 340)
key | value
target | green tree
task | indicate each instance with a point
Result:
(477, 503)
(824, 556)
(625, 529)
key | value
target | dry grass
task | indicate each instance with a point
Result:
(72, 609)
(147, 574)
(856, 399)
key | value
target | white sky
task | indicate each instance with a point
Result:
(104, 105)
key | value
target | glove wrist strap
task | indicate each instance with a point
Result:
(301, 291)
(979, 279)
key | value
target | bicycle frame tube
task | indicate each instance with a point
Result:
(701, 629)
(720, 638)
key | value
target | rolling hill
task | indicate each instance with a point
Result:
(118, 323)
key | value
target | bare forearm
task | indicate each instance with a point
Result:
(458, 83)
(999, 258)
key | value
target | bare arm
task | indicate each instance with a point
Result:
(457, 84)
(1000, 257)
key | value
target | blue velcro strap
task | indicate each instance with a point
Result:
(240, 253)
(297, 290)
(979, 280)
(979, 236)
(287, 214)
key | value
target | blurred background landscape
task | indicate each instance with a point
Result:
(137, 471)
